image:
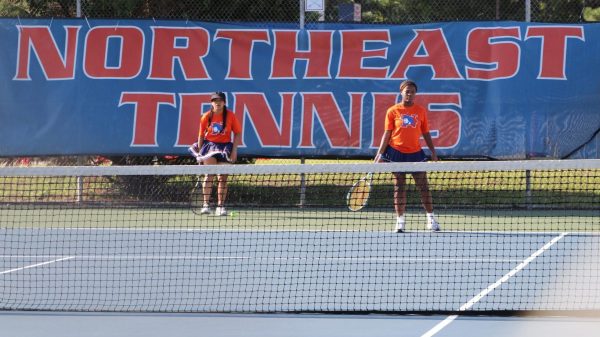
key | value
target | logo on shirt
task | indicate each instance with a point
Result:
(409, 121)
(216, 128)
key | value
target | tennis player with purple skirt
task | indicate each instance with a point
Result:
(405, 123)
(214, 147)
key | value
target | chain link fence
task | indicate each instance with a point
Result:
(298, 11)
(304, 13)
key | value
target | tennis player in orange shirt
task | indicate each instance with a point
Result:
(405, 123)
(214, 147)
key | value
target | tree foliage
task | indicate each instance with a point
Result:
(14, 8)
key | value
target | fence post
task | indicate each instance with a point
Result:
(302, 14)
(302, 185)
(79, 195)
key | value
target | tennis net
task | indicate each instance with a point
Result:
(514, 236)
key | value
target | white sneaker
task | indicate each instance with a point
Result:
(221, 211)
(433, 225)
(205, 209)
(399, 225)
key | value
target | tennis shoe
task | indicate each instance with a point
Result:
(205, 210)
(433, 225)
(399, 225)
(221, 211)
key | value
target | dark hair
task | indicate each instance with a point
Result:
(407, 83)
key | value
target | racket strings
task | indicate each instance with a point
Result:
(359, 195)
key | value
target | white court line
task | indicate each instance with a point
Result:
(493, 286)
(36, 265)
(199, 257)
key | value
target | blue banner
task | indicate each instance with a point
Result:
(507, 90)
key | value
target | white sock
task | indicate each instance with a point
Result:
(400, 219)
(430, 216)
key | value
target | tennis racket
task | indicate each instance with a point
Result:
(359, 193)
(197, 197)
(195, 151)
(358, 196)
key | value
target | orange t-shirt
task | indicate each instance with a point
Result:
(407, 125)
(214, 132)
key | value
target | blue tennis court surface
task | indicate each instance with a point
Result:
(52, 324)
(162, 270)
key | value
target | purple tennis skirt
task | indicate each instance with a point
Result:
(395, 156)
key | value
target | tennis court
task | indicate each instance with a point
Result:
(169, 270)
(291, 219)
(74, 324)
(516, 239)
(107, 269)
